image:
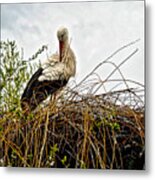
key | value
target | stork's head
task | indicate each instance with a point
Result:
(62, 35)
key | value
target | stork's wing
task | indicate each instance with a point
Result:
(37, 91)
(31, 84)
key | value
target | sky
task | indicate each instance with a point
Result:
(96, 29)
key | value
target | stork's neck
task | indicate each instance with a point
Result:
(63, 47)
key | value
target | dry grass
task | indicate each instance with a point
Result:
(80, 130)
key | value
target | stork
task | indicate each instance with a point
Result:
(52, 75)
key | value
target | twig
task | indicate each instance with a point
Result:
(106, 60)
(44, 138)
(117, 67)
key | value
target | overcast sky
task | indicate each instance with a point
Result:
(97, 29)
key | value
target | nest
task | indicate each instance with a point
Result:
(93, 132)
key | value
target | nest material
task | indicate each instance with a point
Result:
(93, 132)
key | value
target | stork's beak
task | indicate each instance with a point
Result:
(60, 49)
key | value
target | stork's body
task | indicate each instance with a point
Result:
(53, 74)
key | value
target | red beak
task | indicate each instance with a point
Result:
(60, 49)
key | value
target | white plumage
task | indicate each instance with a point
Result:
(55, 68)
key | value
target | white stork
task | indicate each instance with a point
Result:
(52, 75)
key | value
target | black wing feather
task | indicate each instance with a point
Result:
(37, 91)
